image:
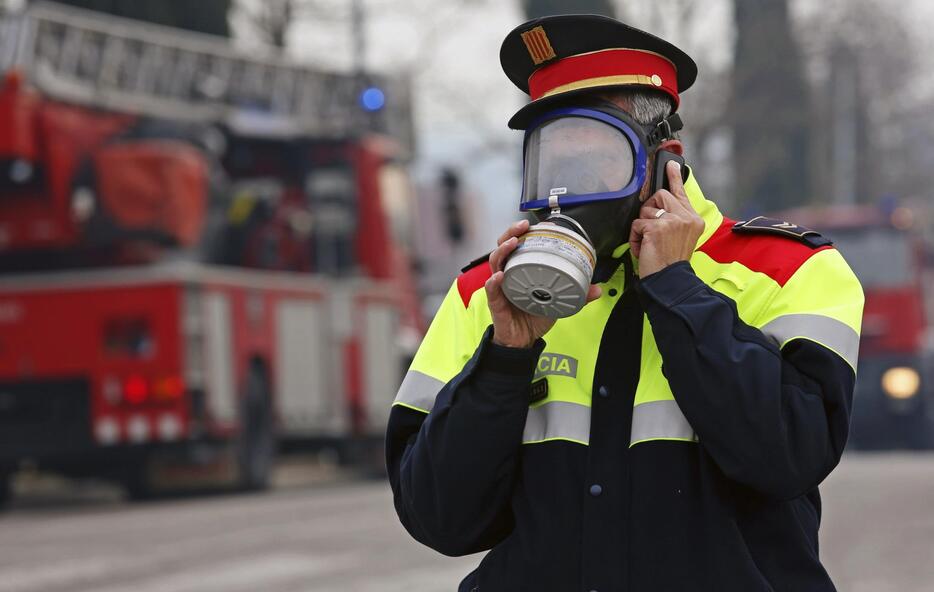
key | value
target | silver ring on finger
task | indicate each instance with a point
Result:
(660, 213)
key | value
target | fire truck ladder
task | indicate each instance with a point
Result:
(124, 65)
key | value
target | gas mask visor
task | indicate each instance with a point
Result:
(575, 156)
(576, 162)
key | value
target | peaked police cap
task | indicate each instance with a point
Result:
(555, 57)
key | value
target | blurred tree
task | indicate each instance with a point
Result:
(539, 8)
(769, 109)
(203, 16)
(270, 20)
(871, 98)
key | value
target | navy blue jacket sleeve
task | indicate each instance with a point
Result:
(774, 420)
(452, 471)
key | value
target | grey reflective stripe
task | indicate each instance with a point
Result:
(418, 390)
(659, 420)
(829, 332)
(557, 420)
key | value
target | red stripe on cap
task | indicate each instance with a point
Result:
(580, 69)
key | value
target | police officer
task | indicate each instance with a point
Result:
(669, 436)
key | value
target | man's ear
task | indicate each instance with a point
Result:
(674, 146)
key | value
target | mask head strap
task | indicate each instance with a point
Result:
(665, 129)
(655, 135)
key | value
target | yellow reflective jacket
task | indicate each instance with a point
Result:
(672, 432)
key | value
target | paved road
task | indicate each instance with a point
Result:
(878, 524)
(878, 535)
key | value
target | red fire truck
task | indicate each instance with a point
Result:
(894, 401)
(202, 254)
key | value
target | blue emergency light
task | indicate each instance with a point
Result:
(372, 98)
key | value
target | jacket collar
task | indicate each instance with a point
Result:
(704, 207)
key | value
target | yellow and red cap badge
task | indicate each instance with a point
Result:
(536, 41)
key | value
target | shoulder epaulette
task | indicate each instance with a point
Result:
(476, 262)
(763, 225)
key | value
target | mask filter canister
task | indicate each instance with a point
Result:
(549, 273)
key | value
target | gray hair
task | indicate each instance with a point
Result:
(646, 106)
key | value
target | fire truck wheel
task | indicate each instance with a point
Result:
(137, 482)
(256, 445)
(6, 487)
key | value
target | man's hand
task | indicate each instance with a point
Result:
(658, 241)
(511, 326)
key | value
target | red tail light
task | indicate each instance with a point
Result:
(135, 390)
(169, 388)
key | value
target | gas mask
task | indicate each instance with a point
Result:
(583, 173)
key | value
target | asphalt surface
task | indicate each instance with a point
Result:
(333, 533)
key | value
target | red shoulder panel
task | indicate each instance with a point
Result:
(472, 280)
(775, 256)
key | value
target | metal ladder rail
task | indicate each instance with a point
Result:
(120, 64)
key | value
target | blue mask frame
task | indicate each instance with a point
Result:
(619, 120)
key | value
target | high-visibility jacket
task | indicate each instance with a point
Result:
(669, 437)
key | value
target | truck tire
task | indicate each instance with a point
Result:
(256, 445)
(137, 481)
(6, 488)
